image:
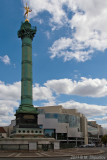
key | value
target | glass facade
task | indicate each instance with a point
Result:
(92, 131)
(74, 121)
(51, 115)
(62, 136)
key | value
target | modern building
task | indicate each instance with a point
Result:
(65, 125)
(95, 132)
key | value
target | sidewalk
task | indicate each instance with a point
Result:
(59, 153)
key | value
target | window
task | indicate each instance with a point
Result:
(41, 111)
(49, 132)
(19, 131)
(51, 115)
(62, 136)
(40, 126)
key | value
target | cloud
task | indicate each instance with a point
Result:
(89, 110)
(86, 20)
(10, 91)
(84, 87)
(40, 21)
(7, 110)
(54, 8)
(47, 34)
(105, 126)
(13, 92)
(9, 101)
(50, 103)
(5, 59)
(6, 107)
(42, 93)
(101, 119)
(70, 49)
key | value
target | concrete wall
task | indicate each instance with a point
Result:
(73, 132)
(27, 143)
(84, 129)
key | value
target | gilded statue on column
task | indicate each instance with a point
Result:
(27, 12)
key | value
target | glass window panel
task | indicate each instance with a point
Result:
(41, 111)
(51, 115)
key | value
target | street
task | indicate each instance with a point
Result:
(47, 156)
(95, 157)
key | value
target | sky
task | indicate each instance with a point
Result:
(69, 54)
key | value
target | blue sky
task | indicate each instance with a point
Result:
(69, 56)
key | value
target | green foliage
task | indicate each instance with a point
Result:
(104, 139)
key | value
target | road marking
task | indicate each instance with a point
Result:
(39, 154)
(45, 154)
(18, 155)
(11, 155)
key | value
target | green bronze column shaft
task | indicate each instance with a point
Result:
(26, 33)
(26, 81)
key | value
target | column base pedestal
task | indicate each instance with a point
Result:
(26, 117)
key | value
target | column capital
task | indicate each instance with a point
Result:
(27, 31)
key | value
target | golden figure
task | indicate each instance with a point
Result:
(27, 12)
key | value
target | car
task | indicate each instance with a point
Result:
(90, 145)
(83, 146)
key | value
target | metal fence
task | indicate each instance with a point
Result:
(45, 147)
(67, 145)
(14, 147)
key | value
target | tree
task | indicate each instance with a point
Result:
(104, 139)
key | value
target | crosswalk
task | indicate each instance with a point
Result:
(31, 154)
(50, 153)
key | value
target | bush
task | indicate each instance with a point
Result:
(104, 139)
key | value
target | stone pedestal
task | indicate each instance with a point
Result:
(27, 133)
(26, 120)
(28, 143)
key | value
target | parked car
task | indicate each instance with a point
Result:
(99, 145)
(91, 145)
(83, 146)
(87, 145)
